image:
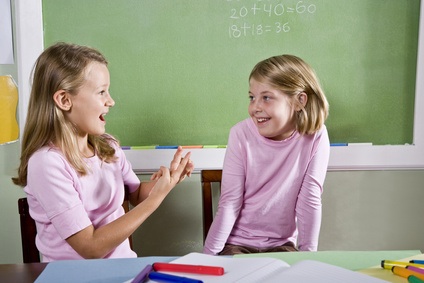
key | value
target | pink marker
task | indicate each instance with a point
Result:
(416, 269)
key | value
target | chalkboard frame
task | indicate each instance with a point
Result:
(29, 40)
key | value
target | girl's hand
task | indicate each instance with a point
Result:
(176, 161)
(169, 177)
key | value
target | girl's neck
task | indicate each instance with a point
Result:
(85, 148)
(87, 151)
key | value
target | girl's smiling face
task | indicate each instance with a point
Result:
(272, 111)
(92, 102)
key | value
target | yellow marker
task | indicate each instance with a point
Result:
(9, 129)
(388, 264)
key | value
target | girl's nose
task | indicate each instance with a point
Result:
(256, 106)
(110, 102)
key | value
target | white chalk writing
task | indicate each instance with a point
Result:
(262, 17)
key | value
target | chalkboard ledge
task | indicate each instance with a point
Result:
(342, 158)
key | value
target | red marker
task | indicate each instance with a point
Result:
(188, 268)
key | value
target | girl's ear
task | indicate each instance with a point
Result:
(302, 98)
(62, 100)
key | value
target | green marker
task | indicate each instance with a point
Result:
(144, 147)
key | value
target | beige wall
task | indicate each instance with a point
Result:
(10, 239)
(380, 210)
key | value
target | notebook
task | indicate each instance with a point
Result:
(267, 270)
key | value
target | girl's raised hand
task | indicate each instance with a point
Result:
(176, 161)
(170, 177)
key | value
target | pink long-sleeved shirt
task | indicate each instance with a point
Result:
(270, 190)
(63, 203)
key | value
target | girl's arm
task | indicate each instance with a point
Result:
(231, 198)
(309, 207)
(97, 243)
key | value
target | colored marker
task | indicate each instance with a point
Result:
(416, 269)
(144, 147)
(167, 278)
(215, 146)
(125, 147)
(417, 261)
(414, 279)
(338, 144)
(388, 264)
(142, 276)
(192, 146)
(166, 146)
(405, 273)
(188, 268)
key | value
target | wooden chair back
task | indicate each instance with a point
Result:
(30, 252)
(207, 178)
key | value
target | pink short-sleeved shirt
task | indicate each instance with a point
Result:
(63, 203)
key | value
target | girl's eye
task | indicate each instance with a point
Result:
(251, 98)
(266, 98)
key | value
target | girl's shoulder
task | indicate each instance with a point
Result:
(243, 125)
(50, 157)
(47, 152)
(322, 132)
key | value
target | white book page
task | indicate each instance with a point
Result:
(270, 270)
(246, 270)
(309, 271)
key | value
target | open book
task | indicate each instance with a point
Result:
(267, 270)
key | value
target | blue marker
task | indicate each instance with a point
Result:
(417, 261)
(166, 146)
(338, 144)
(162, 277)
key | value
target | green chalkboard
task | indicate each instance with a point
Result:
(179, 69)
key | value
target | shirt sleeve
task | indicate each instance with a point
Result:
(309, 207)
(128, 175)
(231, 197)
(53, 186)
